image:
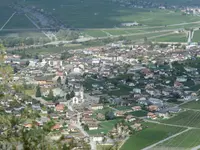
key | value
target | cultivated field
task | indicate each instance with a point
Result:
(176, 37)
(192, 105)
(186, 140)
(19, 21)
(149, 136)
(106, 14)
(187, 118)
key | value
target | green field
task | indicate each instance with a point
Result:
(141, 113)
(105, 127)
(149, 136)
(196, 37)
(186, 140)
(192, 105)
(187, 118)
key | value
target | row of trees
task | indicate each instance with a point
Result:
(19, 41)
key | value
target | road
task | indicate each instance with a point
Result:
(78, 125)
(153, 145)
(196, 148)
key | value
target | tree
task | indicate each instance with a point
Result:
(72, 94)
(50, 95)
(109, 115)
(86, 128)
(59, 80)
(38, 92)
(145, 40)
(66, 81)
(68, 97)
(65, 147)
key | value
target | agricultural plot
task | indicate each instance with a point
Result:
(19, 21)
(152, 134)
(177, 37)
(187, 118)
(5, 13)
(192, 105)
(186, 140)
(95, 33)
(196, 37)
(106, 14)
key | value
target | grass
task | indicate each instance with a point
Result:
(30, 92)
(105, 127)
(186, 140)
(192, 105)
(141, 113)
(187, 118)
(149, 136)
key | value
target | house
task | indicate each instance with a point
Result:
(44, 111)
(151, 115)
(136, 108)
(50, 105)
(98, 138)
(163, 114)
(177, 84)
(86, 120)
(119, 113)
(60, 107)
(36, 107)
(137, 126)
(155, 101)
(181, 79)
(130, 118)
(100, 116)
(56, 127)
(28, 125)
(89, 113)
(54, 116)
(174, 110)
(8, 110)
(153, 108)
(93, 126)
(97, 106)
(136, 90)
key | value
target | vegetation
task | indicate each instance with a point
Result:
(186, 118)
(186, 140)
(152, 134)
(38, 92)
(192, 105)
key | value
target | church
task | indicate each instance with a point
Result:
(79, 95)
